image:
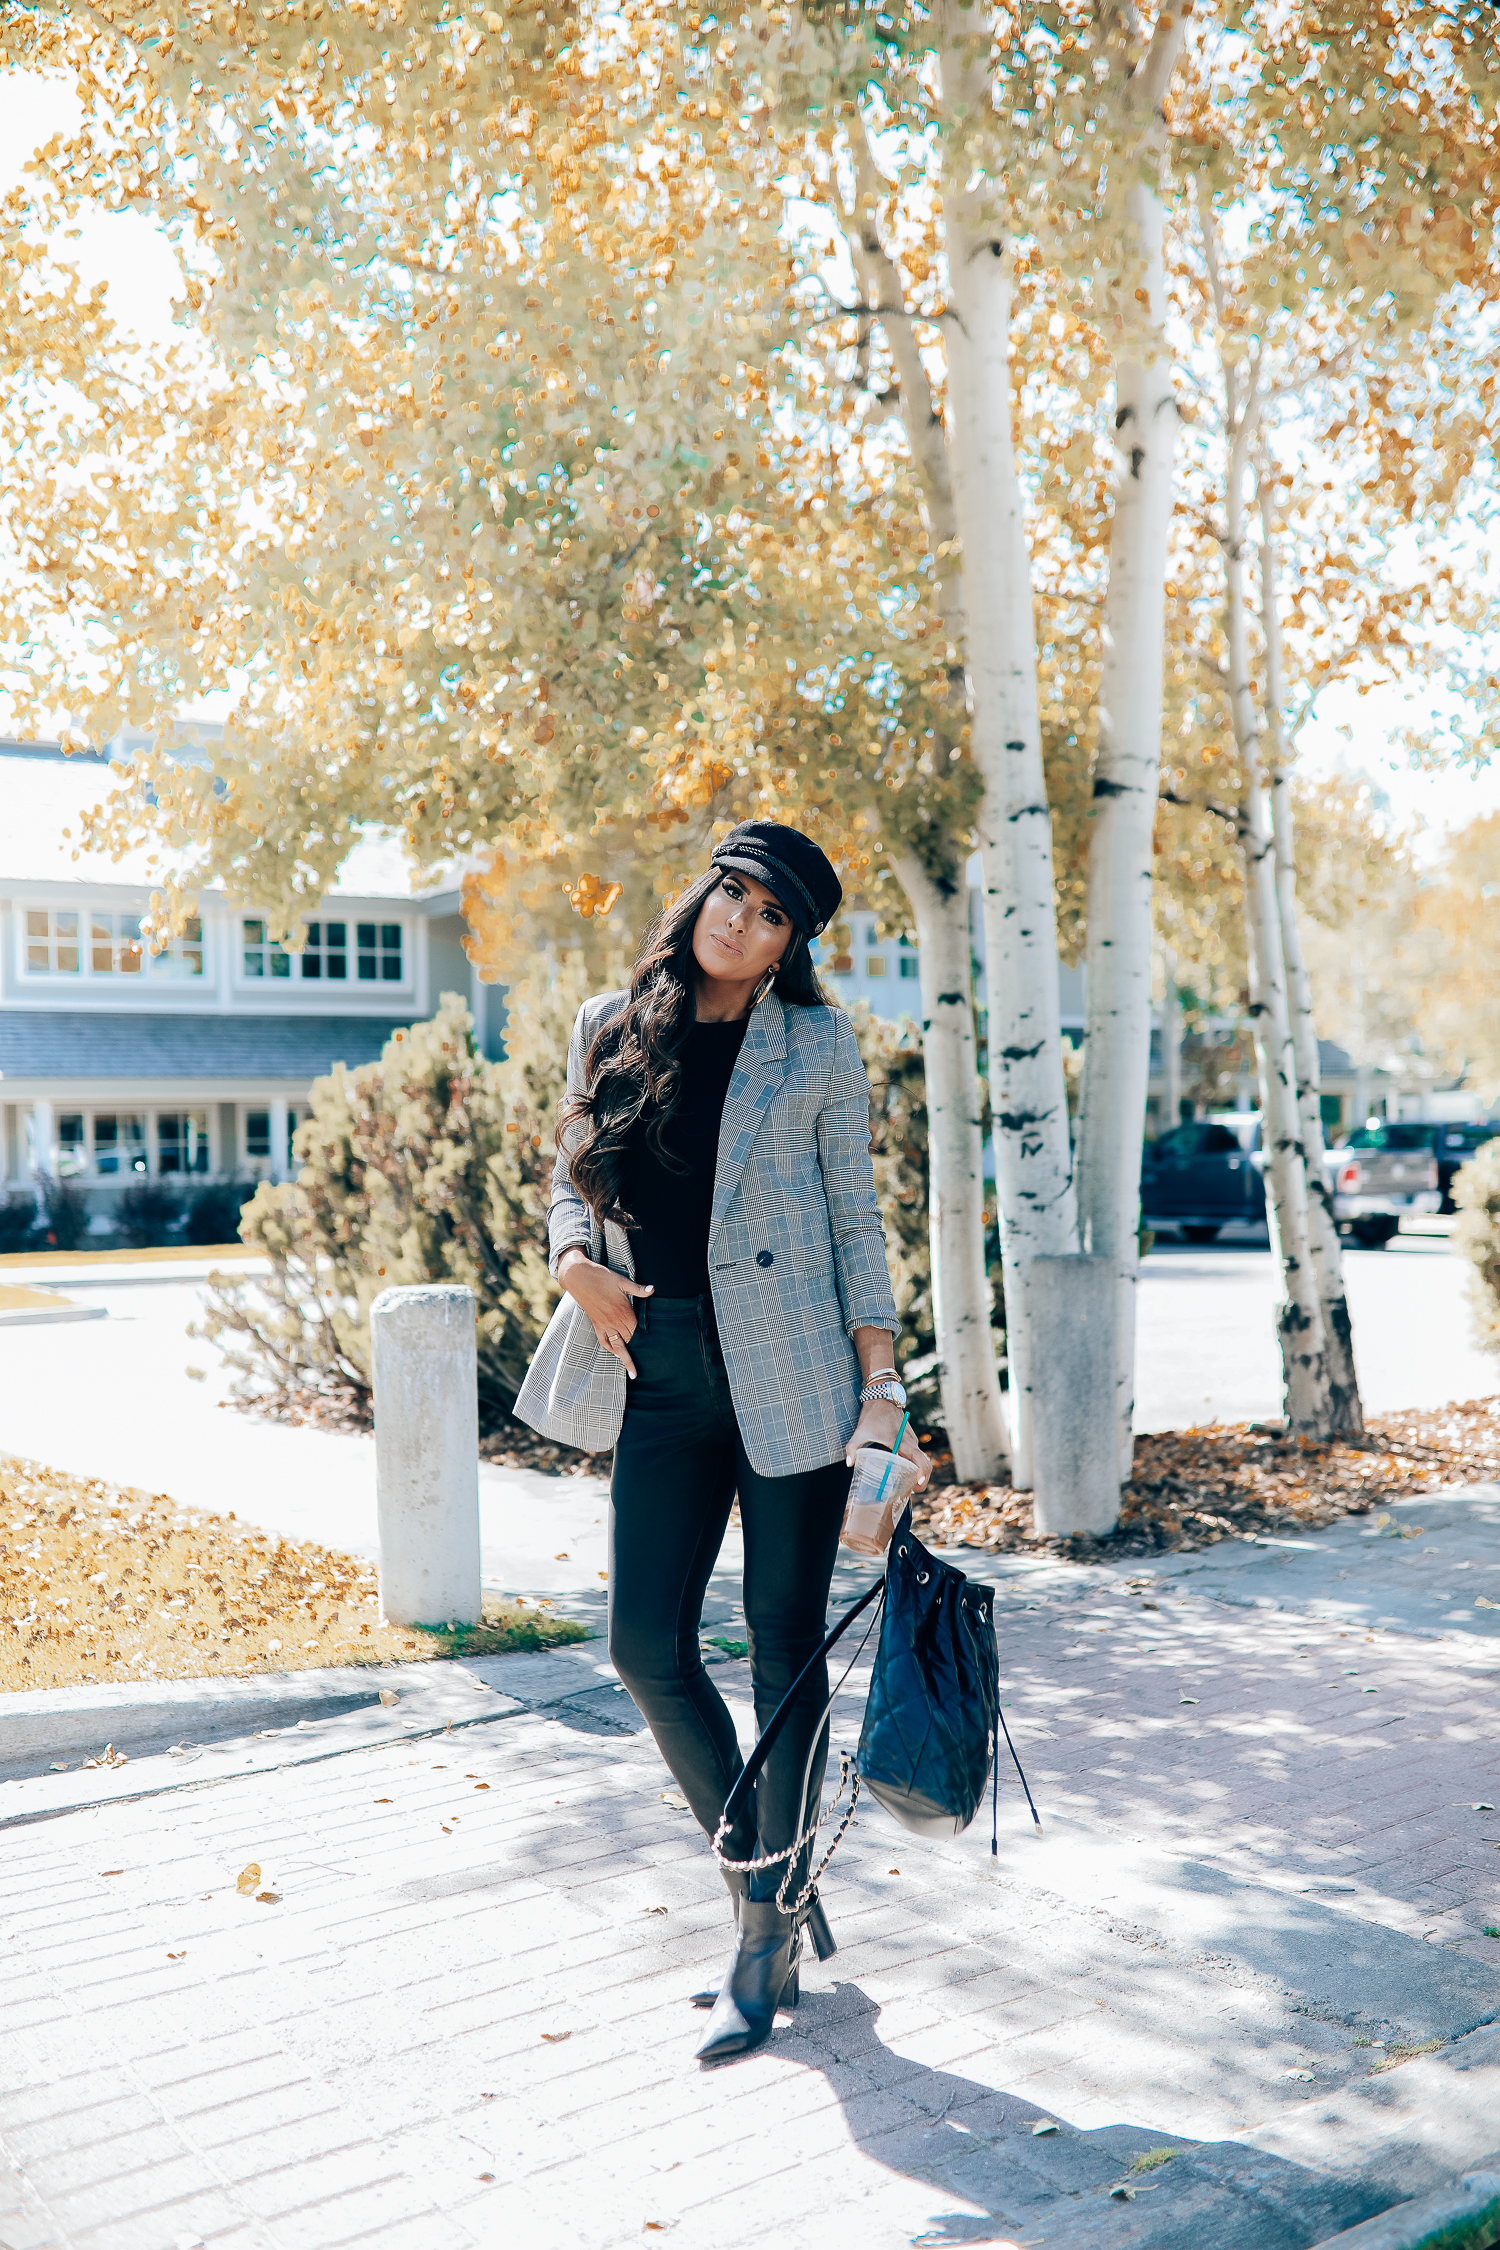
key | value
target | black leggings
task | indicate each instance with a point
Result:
(678, 1463)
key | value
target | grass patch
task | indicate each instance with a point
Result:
(1398, 2053)
(509, 1625)
(1150, 2158)
(102, 1582)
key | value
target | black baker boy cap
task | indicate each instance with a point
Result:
(788, 863)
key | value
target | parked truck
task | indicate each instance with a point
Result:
(1205, 1176)
(1378, 1176)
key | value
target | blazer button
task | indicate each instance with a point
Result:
(765, 1258)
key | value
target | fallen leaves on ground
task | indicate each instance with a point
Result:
(102, 1582)
(247, 1878)
(1226, 1479)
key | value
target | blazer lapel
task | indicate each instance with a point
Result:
(752, 1088)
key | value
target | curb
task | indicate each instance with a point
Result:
(1464, 2215)
(140, 1716)
(256, 1725)
(177, 1253)
(50, 1316)
(154, 1778)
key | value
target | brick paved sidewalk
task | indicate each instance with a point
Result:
(462, 2017)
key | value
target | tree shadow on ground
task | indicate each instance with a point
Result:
(1052, 2191)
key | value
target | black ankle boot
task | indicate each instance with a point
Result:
(734, 1883)
(762, 1978)
(812, 1919)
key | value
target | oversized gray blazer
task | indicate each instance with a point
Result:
(796, 1251)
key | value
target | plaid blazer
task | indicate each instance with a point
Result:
(796, 1250)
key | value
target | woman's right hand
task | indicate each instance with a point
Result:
(607, 1297)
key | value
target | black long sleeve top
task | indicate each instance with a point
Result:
(672, 1208)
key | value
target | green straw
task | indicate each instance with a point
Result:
(900, 1434)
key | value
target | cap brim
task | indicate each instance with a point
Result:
(743, 864)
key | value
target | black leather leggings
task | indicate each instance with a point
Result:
(678, 1463)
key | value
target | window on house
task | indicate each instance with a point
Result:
(326, 953)
(52, 941)
(874, 964)
(115, 947)
(181, 956)
(182, 1141)
(257, 1134)
(119, 1145)
(259, 957)
(72, 1147)
(379, 952)
(909, 966)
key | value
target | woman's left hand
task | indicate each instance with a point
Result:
(877, 1425)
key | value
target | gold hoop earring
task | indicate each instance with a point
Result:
(766, 983)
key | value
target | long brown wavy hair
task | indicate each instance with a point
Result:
(633, 1068)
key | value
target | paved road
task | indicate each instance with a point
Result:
(461, 2019)
(1206, 1341)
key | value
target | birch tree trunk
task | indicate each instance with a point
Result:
(961, 1295)
(1299, 1321)
(973, 1412)
(1117, 1046)
(1345, 1412)
(1171, 1043)
(1028, 1096)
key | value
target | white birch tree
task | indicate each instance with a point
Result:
(1299, 1319)
(961, 1296)
(1343, 1413)
(1028, 1093)
(1117, 1046)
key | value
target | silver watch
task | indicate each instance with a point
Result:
(888, 1388)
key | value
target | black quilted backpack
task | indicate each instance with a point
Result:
(930, 1738)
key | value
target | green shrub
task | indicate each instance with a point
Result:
(892, 1056)
(67, 1220)
(17, 1221)
(214, 1214)
(429, 1165)
(1476, 1234)
(147, 1215)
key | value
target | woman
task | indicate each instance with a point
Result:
(728, 1326)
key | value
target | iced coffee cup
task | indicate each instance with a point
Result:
(879, 1489)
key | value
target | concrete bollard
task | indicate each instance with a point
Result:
(1070, 1313)
(427, 1454)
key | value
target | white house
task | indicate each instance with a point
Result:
(195, 1064)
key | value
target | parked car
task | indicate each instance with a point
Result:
(1202, 1177)
(1452, 1145)
(1378, 1175)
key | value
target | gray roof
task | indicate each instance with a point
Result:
(74, 1043)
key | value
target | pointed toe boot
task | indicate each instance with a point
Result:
(812, 1918)
(762, 1978)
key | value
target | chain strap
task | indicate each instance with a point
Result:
(848, 1779)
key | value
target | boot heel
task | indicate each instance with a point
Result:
(791, 1991)
(818, 1930)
